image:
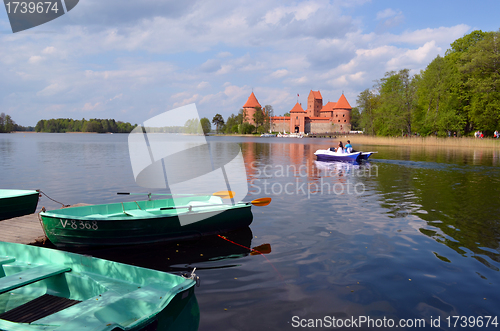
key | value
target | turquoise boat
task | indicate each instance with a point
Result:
(140, 222)
(46, 289)
(14, 203)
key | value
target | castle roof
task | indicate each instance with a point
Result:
(297, 109)
(329, 106)
(342, 103)
(316, 94)
(252, 102)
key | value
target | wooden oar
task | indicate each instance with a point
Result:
(220, 194)
(261, 249)
(261, 202)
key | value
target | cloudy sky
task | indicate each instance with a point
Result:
(131, 60)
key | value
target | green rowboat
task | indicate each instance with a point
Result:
(14, 203)
(141, 222)
(43, 289)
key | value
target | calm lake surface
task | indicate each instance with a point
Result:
(412, 234)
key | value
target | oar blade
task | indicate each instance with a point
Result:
(261, 202)
(261, 249)
(224, 194)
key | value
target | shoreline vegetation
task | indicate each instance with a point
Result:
(458, 94)
(455, 142)
(459, 142)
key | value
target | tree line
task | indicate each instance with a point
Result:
(239, 123)
(62, 125)
(8, 125)
(456, 94)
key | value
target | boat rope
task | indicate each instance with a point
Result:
(64, 206)
(193, 277)
(253, 250)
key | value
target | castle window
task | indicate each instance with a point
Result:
(343, 115)
(339, 121)
(337, 115)
(344, 120)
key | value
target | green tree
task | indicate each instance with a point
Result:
(246, 128)
(2, 122)
(205, 124)
(218, 120)
(368, 102)
(258, 117)
(231, 121)
(355, 119)
(9, 124)
(460, 91)
(481, 67)
(398, 103)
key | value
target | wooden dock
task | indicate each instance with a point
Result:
(25, 229)
(22, 230)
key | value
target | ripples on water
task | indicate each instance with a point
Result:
(420, 239)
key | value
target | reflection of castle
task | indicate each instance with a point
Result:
(332, 117)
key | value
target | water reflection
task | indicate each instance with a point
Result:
(455, 191)
(421, 240)
(459, 205)
(204, 253)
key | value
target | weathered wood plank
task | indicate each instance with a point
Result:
(24, 230)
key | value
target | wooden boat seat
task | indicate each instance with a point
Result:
(29, 276)
(138, 213)
(6, 259)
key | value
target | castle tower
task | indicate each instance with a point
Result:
(342, 115)
(297, 119)
(250, 108)
(314, 103)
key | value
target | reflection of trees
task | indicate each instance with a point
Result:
(459, 205)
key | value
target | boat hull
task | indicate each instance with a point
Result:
(365, 155)
(326, 156)
(96, 294)
(15, 203)
(78, 227)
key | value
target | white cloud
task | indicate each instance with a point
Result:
(279, 73)
(203, 85)
(386, 13)
(224, 54)
(35, 59)
(89, 106)
(49, 50)
(187, 101)
(158, 54)
(50, 90)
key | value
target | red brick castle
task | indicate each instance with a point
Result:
(332, 117)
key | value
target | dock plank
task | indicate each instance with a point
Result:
(24, 230)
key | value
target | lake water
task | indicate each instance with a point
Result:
(412, 234)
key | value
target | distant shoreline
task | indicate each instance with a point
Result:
(459, 142)
(66, 132)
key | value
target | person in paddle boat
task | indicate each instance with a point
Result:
(348, 147)
(340, 148)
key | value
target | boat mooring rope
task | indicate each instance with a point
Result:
(64, 206)
(253, 250)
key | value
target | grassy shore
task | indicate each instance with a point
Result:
(465, 142)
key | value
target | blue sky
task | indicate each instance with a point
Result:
(131, 60)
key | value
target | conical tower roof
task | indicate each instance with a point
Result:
(342, 103)
(297, 109)
(252, 102)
